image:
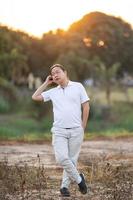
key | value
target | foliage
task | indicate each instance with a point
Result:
(39, 110)
(4, 105)
(96, 34)
(115, 120)
(108, 37)
(75, 65)
(107, 77)
(105, 121)
(19, 54)
(9, 95)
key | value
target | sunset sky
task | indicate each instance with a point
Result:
(39, 16)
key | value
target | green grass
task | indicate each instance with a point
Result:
(22, 128)
(108, 134)
(118, 122)
(113, 122)
(10, 134)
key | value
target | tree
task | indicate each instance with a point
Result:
(108, 37)
(53, 45)
(76, 65)
(18, 66)
(106, 76)
(19, 54)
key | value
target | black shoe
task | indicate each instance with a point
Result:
(82, 185)
(65, 192)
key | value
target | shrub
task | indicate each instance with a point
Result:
(9, 95)
(39, 110)
(100, 111)
(4, 105)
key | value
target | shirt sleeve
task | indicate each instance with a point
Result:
(46, 95)
(83, 94)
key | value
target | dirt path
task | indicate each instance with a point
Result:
(104, 149)
(99, 158)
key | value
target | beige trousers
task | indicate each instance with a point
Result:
(67, 144)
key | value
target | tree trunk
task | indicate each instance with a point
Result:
(108, 94)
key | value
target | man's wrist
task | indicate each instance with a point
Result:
(84, 126)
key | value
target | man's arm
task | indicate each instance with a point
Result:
(85, 113)
(37, 95)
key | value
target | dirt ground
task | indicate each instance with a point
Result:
(115, 152)
(22, 153)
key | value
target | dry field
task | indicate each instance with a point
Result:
(29, 171)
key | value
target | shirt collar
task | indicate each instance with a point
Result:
(69, 83)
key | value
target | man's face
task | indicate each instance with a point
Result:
(58, 75)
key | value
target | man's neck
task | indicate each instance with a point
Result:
(64, 83)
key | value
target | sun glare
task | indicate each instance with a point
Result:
(39, 16)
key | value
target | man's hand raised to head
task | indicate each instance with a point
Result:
(37, 95)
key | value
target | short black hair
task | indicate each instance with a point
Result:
(57, 65)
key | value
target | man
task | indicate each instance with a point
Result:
(71, 110)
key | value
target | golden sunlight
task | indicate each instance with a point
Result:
(39, 16)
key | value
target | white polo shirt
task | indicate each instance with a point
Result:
(67, 104)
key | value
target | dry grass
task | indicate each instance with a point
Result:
(111, 181)
(107, 179)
